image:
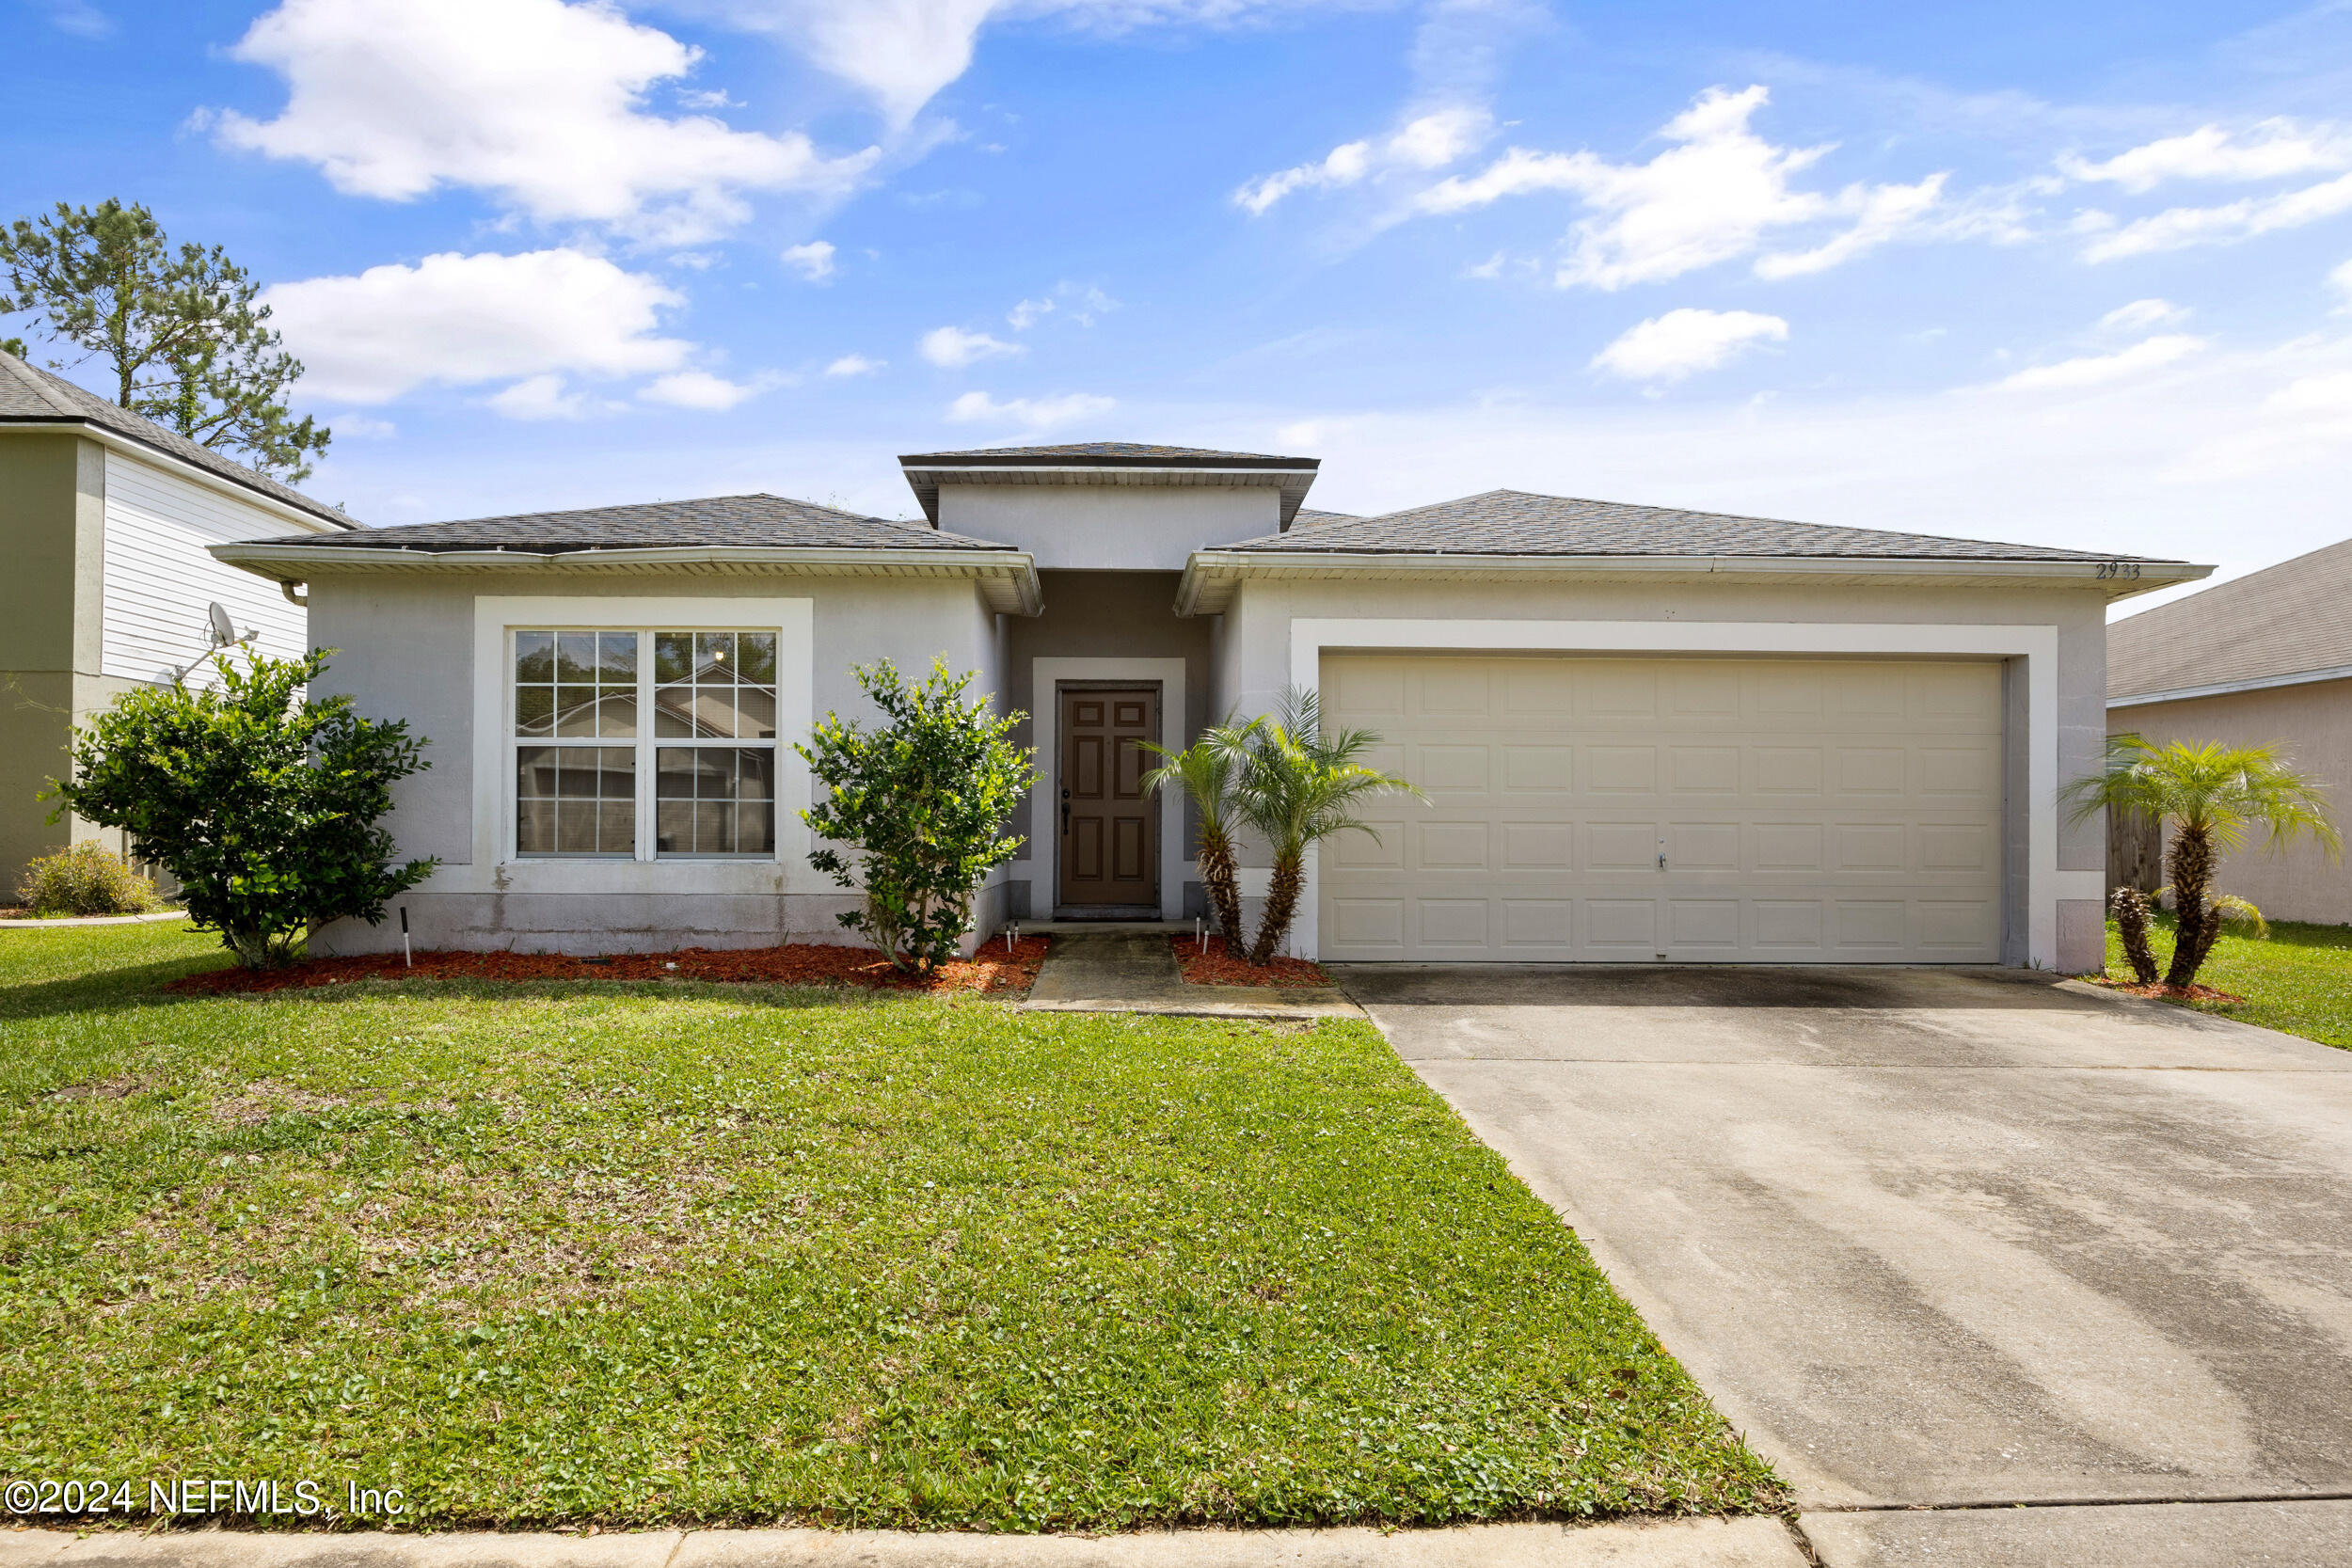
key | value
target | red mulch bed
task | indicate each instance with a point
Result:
(993, 971)
(2163, 992)
(1218, 967)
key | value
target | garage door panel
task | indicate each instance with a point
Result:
(1625, 926)
(1534, 930)
(1703, 769)
(1451, 847)
(1809, 809)
(1536, 846)
(1621, 770)
(1450, 769)
(1538, 770)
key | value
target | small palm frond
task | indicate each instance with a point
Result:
(2240, 912)
(1204, 770)
(2222, 791)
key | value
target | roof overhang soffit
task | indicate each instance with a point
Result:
(1212, 577)
(1292, 483)
(1007, 579)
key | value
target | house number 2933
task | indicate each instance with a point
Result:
(2119, 568)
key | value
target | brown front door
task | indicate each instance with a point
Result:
(1109, 826)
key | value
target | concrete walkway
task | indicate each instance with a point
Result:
(1686, 1544)
(1135, 971)
(1949, 1239)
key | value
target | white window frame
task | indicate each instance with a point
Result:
(496, 621)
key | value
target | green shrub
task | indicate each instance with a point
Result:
(922, 799)
(87, 879)
(261, 800)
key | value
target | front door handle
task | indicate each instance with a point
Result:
(1065, 811)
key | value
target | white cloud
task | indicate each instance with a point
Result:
(2181, 227)
(2142, 314)
(1674, 345)
(952, 348)
(538, 102)
(2341, 279)
(703, 391)
(813, 261)
(1080, 305)
(2099, 369)
(1035, 413)
(1880, 214)
(1426, 142)
(2135, 465)
(1710, 197)
(901, 52)
(543, 397)
(854, 364)
(2270, 151)
(463, 320)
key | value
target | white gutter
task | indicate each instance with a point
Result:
(1206, 565)
(300, 563)
(2225, 689)
(181, 468)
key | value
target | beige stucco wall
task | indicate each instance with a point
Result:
(2313, 724)
(407, 651)
(1254, 650)
(1109, 528)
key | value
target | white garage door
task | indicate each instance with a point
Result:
(1636, 809)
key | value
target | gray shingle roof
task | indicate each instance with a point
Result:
(768, 521)
(29, 394)
(2282, 621)
(1110, 454)
(1514, 522)
(1309, 517)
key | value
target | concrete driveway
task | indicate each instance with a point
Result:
(1947, 1239)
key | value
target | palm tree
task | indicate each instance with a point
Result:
(1205, 770)
(1298, 787)
(2210, 796)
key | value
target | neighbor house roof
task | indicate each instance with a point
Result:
(1515, 533)
(32, 396)
(719, 536)
(2283, 626)
(1110, 463)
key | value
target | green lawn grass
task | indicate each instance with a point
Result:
(2298, 981)
(680, 1253)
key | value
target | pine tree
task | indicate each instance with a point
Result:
(179, 330)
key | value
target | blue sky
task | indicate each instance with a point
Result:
(2068, 274)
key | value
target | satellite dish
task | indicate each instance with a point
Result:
(224, 630)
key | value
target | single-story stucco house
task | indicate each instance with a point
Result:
(2264, 659)
(1645, 733)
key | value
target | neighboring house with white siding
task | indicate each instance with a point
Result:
(106, 524)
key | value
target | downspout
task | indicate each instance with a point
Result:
(302, 600)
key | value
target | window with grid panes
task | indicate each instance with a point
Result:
(714, 724)
(576, 758)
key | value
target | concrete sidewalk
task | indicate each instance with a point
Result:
(1676, 1544)
(1135, 971)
